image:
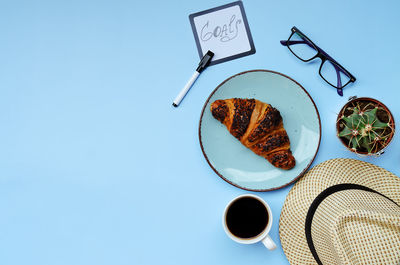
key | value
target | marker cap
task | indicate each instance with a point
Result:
(205, 61)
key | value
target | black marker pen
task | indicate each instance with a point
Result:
(205, 61)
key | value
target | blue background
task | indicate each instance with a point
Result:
(97, 167)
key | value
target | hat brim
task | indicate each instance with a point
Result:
(329, 173)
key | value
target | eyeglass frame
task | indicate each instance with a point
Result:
(323, 56)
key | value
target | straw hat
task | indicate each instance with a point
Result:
(343, 211)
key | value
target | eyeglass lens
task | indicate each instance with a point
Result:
(301, 47)
(333, 75)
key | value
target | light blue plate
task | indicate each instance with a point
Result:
(237, 164)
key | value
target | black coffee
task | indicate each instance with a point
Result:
(247, 217)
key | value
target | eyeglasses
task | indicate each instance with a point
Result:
(330, 70)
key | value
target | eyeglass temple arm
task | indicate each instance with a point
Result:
(291, 42)
(339, 81)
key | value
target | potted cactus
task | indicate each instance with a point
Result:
(365, 126)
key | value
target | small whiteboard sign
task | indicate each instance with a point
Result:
(224, 30)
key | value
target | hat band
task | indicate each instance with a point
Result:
(318, 200)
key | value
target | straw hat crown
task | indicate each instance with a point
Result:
(342, 211)
(353, 226)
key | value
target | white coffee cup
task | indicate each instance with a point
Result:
(262, 235)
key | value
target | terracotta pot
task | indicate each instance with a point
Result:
(353, 100)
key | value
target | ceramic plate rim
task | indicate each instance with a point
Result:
(224, 178)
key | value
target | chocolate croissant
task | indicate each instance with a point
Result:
(258, 126)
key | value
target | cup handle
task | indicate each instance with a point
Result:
(269, 243)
